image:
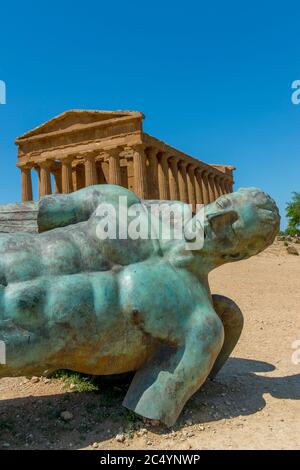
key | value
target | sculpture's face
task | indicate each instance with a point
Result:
(240, 224)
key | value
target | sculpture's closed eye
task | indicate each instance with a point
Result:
(223, 203)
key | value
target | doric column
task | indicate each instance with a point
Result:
(199, 186)
(228, 186)
(153, 173)
(218, 190)
(173, 179)
(211, 187)
(114, 168)
(222, 185)
(163, 176)
(191, 186)
(205, 187)
(26, 184)
(38, 171)
(90, 170)
(139, 171)
(44, 179)
(182, 181)
(66, 175)
(225, 186)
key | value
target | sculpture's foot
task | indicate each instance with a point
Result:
(232, 319)
(163, 385)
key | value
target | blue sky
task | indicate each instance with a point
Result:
(213, 78)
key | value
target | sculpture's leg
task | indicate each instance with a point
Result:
(163, 385)
(232, 319)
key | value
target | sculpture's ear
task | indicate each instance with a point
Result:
(219, 221)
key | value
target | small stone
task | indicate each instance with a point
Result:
(34, 380)
(95, 445)
(120, 437)
(72, 386)
(149, 443)
(155, 422)
(189, 422)
(292, 250)
(66, 415)
(151, 422)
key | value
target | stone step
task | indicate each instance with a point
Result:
(18, 217)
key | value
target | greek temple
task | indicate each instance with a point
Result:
(80, 148)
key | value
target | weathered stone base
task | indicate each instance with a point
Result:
(20, 217)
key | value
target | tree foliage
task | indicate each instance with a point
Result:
(293, 215)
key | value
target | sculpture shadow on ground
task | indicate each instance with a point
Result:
(34, 422)
(239, 389)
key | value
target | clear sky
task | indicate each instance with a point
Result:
(213, 78)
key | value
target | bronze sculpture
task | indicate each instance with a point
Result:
(71, 300)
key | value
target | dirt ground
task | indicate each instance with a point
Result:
(254, 402)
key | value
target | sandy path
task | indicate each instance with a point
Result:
(253, 403)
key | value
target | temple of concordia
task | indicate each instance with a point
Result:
(80, 148)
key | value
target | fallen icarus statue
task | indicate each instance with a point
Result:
(73, 300)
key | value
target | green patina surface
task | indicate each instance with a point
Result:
(69, 300)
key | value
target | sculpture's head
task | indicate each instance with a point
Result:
(240, 225)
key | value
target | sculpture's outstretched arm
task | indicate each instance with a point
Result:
(232, 319)
(163, 385)
(59, 210)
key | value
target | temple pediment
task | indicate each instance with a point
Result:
(79, 119)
